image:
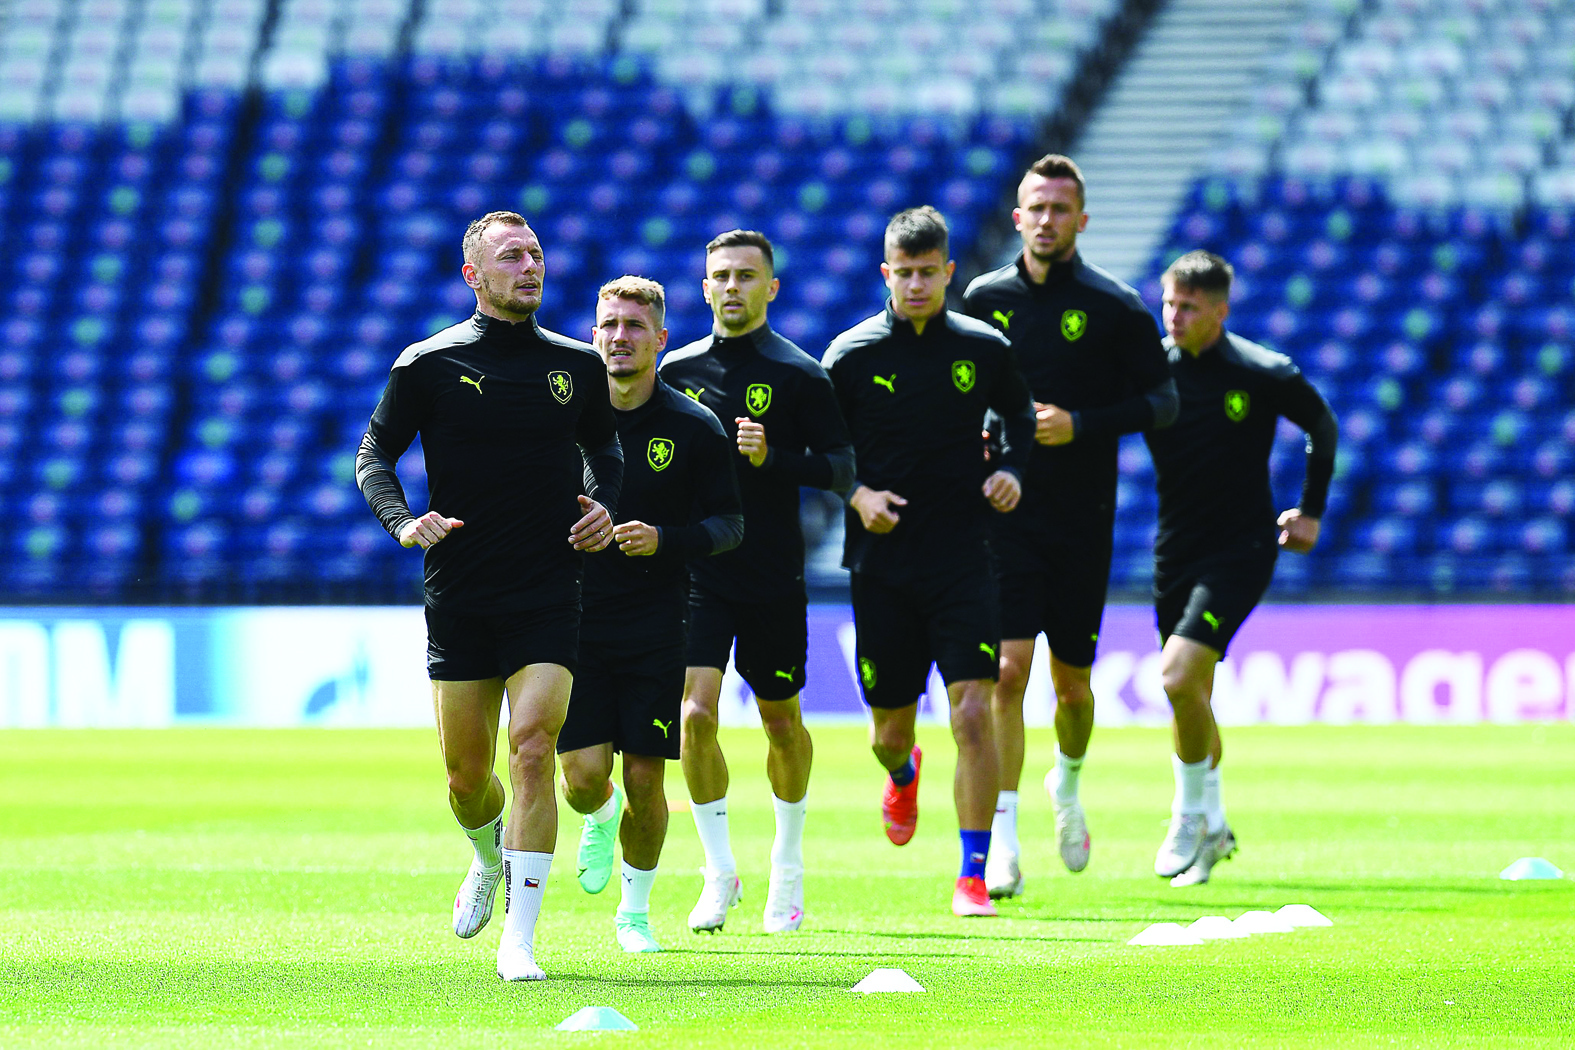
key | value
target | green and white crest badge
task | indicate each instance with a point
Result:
(757, 397)
(659, 453)
(1237, 404)
(1073, 324)
(964, 374)
(562, 386)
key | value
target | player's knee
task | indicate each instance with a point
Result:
(468, 780)
(1074, 695)
(972, 721)
(699, 722)
(782, 722)
(1180, 685)
(891, 743)
(531, 750)
(1013, 681)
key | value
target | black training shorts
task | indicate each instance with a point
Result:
(1058, 590)
(905, 627)
(496, 645)
(1207, 599)
(631, 700)
(772, 637)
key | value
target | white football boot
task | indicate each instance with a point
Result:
(1071, 833)
(517, 961)
(784, 900)
(1183, 842)
(721, 892)
(1218, 847)
(1003, 874)
(473, 903)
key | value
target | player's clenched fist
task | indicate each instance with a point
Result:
(751, 440)
(636, 538)
(1300, 531)
(1052, 424)
(877, 509)
(428, 529)
(1003, 490)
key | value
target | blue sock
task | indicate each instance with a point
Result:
(903, 775)
(975, 848)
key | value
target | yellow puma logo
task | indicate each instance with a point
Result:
(1005, 319)
(987, 649)
(657, 722)
(694, 393)
(473, 382)
(788, 674)
(887, 383)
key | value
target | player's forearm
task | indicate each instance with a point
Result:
(1017, 440)
(1153, 409)
(1322, 439)
(831, 470)
(714, 535)
(375, 476)
(604, 473)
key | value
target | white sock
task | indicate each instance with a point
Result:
(636, 890)
(605, 812)
(787, 849)
(488, 841)
(525, 879)
(1003, 829)
(1066, 774)
(1189, 785)
(711, 823)
(1213, 804)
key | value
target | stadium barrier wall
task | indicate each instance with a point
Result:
(321, 666)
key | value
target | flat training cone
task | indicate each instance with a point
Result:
(1262, 922)
(888, 979)
(1304, 915)
(1216, 928)
(1531, 868)
(597, 1019)
(1164, 935)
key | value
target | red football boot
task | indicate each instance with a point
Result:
(899, 806)
(972, 899)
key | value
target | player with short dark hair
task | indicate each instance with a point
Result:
(1218, 534)
(679, 502)
(915, 382)
(1092, 354)
(516, 428)
(778, 409)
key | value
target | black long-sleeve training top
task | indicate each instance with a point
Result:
(1212, 465)
(765, 377)
(678, 476)
(515, 423)
(915, 404)
(1086, 343)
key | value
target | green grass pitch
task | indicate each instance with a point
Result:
(214, 888)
